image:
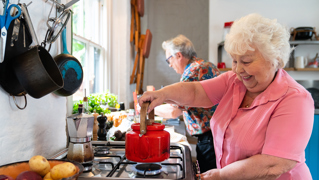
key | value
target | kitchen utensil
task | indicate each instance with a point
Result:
(95, 125)
(71, 70)
(140, 7)
(26, 15)
(110, 163)
(313, 64)
(302, 33)
(15, 32)
(147, 142)
(5, 21)
(315, 96)
(147, 43)
(14, 169)
(221, 65)
(35, 69)
(37, 72)
(56, 27)
(101, 132)
(80, 127)
(300, 62)
(61, 7)
(8, 79)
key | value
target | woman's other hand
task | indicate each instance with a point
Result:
(211, 174)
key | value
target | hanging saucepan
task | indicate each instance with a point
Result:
(71, 70)
(35, 69)
(147, 142)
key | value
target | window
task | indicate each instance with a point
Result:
(89, 45)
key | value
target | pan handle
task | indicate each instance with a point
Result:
(15, 102)
(29, 23)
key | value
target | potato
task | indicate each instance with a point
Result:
(29, 175)
(5, 177)
(40, 165)
(63, 170)
(48, 176)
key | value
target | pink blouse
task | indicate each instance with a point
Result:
(278, 122)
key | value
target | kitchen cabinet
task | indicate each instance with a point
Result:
(291, 59)
(312, 149)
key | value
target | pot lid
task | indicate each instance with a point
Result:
(153, 127)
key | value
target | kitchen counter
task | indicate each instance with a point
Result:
(179, 126)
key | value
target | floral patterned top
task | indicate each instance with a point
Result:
(197, 119)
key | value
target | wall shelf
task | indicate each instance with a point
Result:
(304, 42)
(224, 69)
(289, 69)
(306, 69)
(291, 58)
(286, 69)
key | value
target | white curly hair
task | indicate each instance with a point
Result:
(268, 36)
(180, 44)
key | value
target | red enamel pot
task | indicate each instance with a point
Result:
(148, 141)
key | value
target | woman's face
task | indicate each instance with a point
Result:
(253, 70)
(174, 62)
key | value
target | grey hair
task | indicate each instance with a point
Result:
(268, 36)
(180, 44)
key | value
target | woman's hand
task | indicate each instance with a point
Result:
(155, 97)
(212, 174)
(190, 94)
(257, 167)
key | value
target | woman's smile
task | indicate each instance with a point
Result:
(246, 78)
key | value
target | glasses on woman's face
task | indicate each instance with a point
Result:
(167, 60)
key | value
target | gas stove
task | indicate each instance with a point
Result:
(110, 163)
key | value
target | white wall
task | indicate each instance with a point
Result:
(292, 13)
(121, 51)
(40, 128)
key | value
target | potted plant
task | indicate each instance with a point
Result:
(100, 102)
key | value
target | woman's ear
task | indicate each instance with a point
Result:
(178, 55)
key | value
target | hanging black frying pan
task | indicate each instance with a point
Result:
(71, 70)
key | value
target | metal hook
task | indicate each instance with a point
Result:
(28, 3)
(50, 10)
(60, 6)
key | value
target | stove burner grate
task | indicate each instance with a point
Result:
(102, 150)
(87, 167)
(148, 169)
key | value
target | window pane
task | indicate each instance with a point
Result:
(86, 19)
(87, 47)
(97, 81)
(79, 51)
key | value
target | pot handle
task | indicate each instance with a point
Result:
(143, 120)
(15, 102)
(26, 15)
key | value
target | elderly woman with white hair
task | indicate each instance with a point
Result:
(264, 119)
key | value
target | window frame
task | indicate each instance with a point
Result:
(105, 10)
(105, 35)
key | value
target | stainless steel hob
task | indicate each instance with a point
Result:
(110, 163)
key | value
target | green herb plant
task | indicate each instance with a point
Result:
(97, 102)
